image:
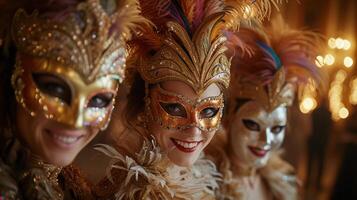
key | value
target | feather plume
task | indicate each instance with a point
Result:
(128, 18)
(247, 10)
(296, 50)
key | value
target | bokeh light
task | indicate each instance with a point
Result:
(348, 62)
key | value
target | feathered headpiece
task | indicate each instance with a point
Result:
(187, 43)
(272, 65)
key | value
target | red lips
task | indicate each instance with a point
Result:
(190, 146)
(258, 151)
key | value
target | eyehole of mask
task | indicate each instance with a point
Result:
(208, 112)
(53, 86)
(174, 109)
(101, 100)
(277, 129)
(251, 125)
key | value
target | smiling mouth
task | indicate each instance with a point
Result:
(259, 152)
(186, 146)
(63, 140)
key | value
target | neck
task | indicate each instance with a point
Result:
(240, 168)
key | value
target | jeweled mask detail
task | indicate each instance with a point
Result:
(81, 40)
(79, 48)
(191, 112)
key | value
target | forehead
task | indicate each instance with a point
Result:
(254, 110)
(183, 89)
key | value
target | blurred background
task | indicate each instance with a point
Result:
(322, 135)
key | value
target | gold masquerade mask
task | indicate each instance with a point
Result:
(176, 111)
(277, 93)
(86, 50)
(198, 62)
(76, 108)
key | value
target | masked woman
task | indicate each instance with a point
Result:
(178, 74)
(61, 65)
(266, 74)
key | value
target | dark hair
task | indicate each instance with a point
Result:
(135, 100)
(7, 100)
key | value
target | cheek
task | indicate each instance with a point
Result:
(35, 124)
(91, 132)
(278, 140)
(162, 135)
(208, 136)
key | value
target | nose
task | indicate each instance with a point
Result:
(266, 136)
(79, 108)
(193, 130)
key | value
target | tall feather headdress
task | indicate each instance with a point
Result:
(187, 42)
(276, 61)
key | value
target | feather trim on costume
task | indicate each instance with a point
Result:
(280, 177)
(150, 175)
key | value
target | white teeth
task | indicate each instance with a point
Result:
(66, 139)
(188, 145)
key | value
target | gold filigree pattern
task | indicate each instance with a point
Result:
(198, 62)
(277, 93)
(82, 40)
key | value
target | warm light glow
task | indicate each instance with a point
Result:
(348, 62)
(332, 43)
(329, 59)
(337, 108)
(343, 113)
(353, 95)
(341, 75)
(308, 104)
(319, 61)
(346, 44)
(340, 43)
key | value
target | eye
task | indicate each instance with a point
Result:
(101, 100)
(174, 109)
(251, 125)
(277, 129)
(53, 86)
(209, 112)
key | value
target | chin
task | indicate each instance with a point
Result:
(260, 163)
(60, 160)
(182, 160)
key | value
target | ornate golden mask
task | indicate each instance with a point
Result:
(85, 49)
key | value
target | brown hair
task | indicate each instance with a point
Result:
(135, 100)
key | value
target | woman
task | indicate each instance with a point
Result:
(178, 75)
(265, 78)
(61, 67)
